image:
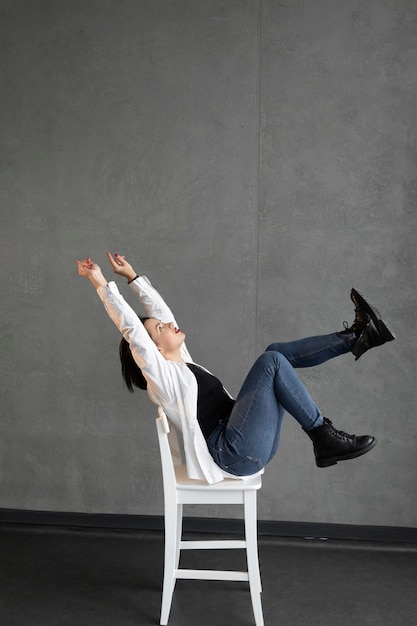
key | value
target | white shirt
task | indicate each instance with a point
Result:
(171, 384)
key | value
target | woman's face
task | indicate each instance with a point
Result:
(167, 337)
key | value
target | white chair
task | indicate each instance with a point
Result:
(180, 490)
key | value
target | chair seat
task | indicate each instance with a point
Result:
(228, 484)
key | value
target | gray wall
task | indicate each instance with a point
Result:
(255, 159)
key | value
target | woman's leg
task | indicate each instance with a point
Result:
(250, 438)
(313, 351)
(368, 330)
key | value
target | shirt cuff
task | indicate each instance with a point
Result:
(111, 286)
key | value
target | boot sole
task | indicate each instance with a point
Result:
(353, 455)
(380, 325)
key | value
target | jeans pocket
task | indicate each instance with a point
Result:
(215, 453)
(245, 466)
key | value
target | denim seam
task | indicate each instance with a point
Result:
(267, 370)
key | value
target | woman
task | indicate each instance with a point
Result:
(223, 437)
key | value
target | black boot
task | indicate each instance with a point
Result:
(331, 445)
(369, 338)
(361, 318)
(382, 327)
(369, 327)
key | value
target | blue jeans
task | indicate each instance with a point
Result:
(249, 439)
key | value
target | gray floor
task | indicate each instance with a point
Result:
(73, 577)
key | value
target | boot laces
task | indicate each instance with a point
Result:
(348, 329)
(359, 323)
(339, 434)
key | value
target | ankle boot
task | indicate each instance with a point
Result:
(369, 338)
(331, 445)
(361, 318)
(369, 327)
(362, 303)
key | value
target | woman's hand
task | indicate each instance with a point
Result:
(121, 266)
(91, 270)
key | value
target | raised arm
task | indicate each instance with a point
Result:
(155, 306)
(152, 363)
(151, 300)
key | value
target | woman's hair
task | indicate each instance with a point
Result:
(131, 372)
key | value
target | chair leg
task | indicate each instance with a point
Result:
(252, 556)
(179, 535)
(170, 562)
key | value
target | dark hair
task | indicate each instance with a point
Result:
(131, 372)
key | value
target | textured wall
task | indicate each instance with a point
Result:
(338, 208)
(255, 160)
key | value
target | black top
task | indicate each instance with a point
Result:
(213, 403)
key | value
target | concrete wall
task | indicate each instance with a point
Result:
(255, 159)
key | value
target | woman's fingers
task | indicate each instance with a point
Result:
(85, 266)
(112, 261)
(117, 261)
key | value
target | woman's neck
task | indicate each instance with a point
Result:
(174, 357)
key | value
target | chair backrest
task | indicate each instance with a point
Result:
(169, 448)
